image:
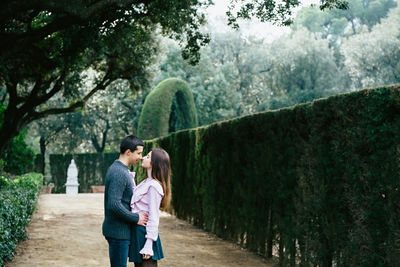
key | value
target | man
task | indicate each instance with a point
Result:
(118, 192)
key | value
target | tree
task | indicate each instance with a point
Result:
(210, 82)
(373, 58)
(47, 130)
(278, 12)
(334, 24)
(240, 75)
(107, 116)
(46, 45)
(302, 69)
(242, 62)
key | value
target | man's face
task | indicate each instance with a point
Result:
(136, 155)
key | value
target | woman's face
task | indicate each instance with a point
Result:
(146, 163)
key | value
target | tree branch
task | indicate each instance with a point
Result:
(56, 88)
(3, 98)
(124, 103)
(33, 101)
(103, 143)
(53, 134)
(86, 13)
(12, 92)
(78, 104)
(54, 111)
(76, 8)
(95, 143)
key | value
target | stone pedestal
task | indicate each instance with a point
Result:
(72, 179)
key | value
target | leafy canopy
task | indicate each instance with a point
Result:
(46, 45)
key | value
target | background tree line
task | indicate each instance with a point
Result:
(326, 52)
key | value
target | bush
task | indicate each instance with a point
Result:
(17, 202)
(17, 158)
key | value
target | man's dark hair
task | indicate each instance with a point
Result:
(130, 142)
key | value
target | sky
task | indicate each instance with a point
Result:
(267, 31)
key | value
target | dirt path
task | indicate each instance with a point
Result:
(66, 231)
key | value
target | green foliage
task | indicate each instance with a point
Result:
(213, 84)
(278, 12)
(18, 157)
(239, 76)
(92, 169)
(17, 202)
(303, 68)
(169, 107)
(373, 58)
(318, 180)
(47, 46)
(335, 24)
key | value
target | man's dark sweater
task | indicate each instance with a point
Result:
(117, 198)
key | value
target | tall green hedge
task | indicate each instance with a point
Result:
(318, 181)
(169, 107)
(17, 202)
(92, 169)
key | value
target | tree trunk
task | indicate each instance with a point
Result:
(281, 250)
(96, 144)
(270, 235)
(43, 153)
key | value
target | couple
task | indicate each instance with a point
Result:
(132, 212)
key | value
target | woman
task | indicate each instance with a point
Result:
(149, 196)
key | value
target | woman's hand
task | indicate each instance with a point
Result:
(143, 218)
(146, 256)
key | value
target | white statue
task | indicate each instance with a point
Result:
(72, 179)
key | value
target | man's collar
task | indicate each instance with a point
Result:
(120, 162)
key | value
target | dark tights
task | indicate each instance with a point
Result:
(147, 263)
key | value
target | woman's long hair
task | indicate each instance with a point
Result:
(161, 171)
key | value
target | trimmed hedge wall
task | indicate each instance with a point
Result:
(157, 119)
(92, 169)
(17, 202)
(318, 182)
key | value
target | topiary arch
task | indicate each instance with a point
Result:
(168, 108)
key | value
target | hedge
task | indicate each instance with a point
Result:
(17, 202)
(319, 181)
(169, 107)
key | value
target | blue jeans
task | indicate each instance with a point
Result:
(118, 250)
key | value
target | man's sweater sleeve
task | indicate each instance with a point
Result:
(116, 189)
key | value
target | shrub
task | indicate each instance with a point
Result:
(18, 157)
(17, 203)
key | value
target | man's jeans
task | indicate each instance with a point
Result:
(118, 250)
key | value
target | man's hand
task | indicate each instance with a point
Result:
(143, 218)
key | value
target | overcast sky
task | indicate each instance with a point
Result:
(217, 18)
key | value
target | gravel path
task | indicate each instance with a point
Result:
(66, 231)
